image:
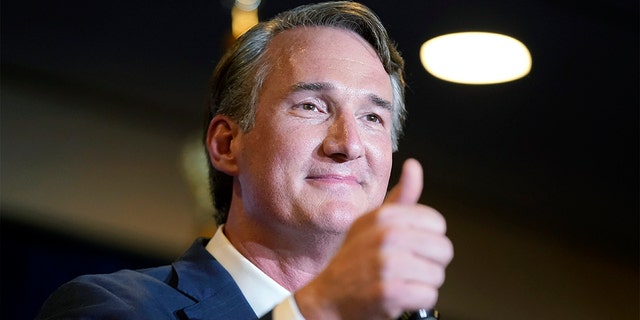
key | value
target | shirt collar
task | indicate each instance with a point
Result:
(262, 292)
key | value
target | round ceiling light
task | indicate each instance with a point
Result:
(476, 58)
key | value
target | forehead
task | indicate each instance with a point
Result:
(327, 54)
(292, 40)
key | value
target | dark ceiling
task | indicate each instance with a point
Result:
(555, 151)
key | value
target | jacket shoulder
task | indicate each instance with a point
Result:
(143, 294)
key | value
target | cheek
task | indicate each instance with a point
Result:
(272, 153)
(380, 153)
(381, 161)
(384, 185)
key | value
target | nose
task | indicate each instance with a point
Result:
(343, 141)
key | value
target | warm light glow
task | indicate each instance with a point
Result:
(242, 20)
(247, 5)
(476, 58)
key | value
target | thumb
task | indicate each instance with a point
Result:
(409, 188)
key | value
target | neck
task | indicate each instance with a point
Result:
(290, 255)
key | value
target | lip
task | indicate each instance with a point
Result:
(334, 179)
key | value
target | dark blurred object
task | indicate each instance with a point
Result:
(421, 314)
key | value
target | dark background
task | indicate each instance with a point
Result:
(539, 174)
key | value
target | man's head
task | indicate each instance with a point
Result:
(239, 78)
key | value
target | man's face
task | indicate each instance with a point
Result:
(320, 152)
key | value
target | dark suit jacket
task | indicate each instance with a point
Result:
(194, 287)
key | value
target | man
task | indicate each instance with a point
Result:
(305, 112)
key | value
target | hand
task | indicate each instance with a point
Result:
(392, 260)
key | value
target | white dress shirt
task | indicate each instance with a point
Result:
(262, 292)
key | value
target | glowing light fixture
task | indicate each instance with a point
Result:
(476, 58)
(244, 15)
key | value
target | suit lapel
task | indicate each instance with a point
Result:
(215, 293)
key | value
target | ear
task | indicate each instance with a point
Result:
(220, 138)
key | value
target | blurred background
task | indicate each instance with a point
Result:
(101, 112)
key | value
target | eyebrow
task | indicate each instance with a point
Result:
(325, 86)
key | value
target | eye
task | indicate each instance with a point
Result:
(308, 107)
(373, 118)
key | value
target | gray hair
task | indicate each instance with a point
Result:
(238, 77)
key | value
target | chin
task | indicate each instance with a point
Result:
(336, 220)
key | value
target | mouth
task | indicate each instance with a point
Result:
(337, 179)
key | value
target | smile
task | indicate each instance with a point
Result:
(334, 179)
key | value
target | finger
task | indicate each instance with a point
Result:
(433, 246)
(406, 266)
(417, 296)
(409, 188)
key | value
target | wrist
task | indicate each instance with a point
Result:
(312, 304)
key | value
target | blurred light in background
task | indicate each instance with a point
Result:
(194, 163)
(476, 58)
(244, 15)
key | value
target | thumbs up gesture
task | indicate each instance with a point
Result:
(392, 260)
